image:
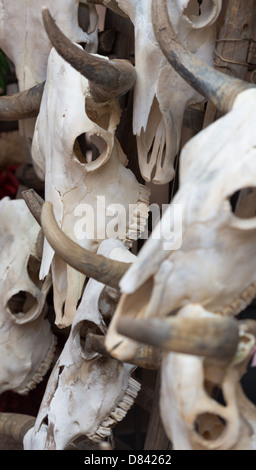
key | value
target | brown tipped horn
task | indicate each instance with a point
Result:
(98, 267)
(214, 338)
(34, 203)
(23, 105)
(15, 425)
(108, 78)
(217, 87)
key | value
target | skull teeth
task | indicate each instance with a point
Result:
(140, 216)
(119, 413)
(246, 297)
(44, 367)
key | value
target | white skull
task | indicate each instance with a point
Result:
(26, 341)
(214, 265)
(202, 405)
(87, 394)
(66, 112)
(24, 40)
(161, 95)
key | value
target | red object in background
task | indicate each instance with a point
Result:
(8, 182)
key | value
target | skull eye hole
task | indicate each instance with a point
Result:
(88, 148)
(209, 426)
(193, 9)
(243, 203)
(83, 329)
(22, 306)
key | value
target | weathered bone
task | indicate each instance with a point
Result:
(217, 87)
(91, 264)
(160, 94)
(24, 41)
(192, 416)
(108, 78)
(111, 4)
(67, 111)
(27, 345)
(87, 394)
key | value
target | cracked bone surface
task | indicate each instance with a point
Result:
(87, 394)
(202, 405)
(24, 41)
(161, 95)
(27, 344)
(214, 265)
(89, 197)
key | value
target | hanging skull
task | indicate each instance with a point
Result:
(26, 342)
(202, 403)
(73, 183)
(214, 263)
(25, 43)
(87, 393)
(161, 95)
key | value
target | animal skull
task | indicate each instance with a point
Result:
(26, 342)
(161, 95)
(196, 416)
(67, 111)
(214, 265)
(23, 38)
(87, 394)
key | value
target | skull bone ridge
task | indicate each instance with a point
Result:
(27, 344)
(214, 265)
(161, 95)
(23, 38)
(87, 394)
(74, 184)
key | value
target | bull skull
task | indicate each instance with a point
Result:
(161, 95)
(202, 404)
(23, 38)
(26, 341)
(68, 110)
(216, 245)
(87, 394)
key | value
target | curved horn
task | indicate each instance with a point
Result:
(98, 267)
(217, 87)
(23, 105)
(15, 425)
(108, 78)
(214, 338)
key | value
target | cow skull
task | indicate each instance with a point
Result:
(161, 95)
(202, 405)
(26, 342)
(73, 183)
(214, 263)
(23, 38)
(87, 393)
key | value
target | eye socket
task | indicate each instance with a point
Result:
(88, 148)
(243, 203)
(202, 13)
(209, 426)
(22, 306)
(81, 331)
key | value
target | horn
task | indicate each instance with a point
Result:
(15, 425)
(214, 338)
(220, 89)
(98, 267)
(108, 78)
(23, 105)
